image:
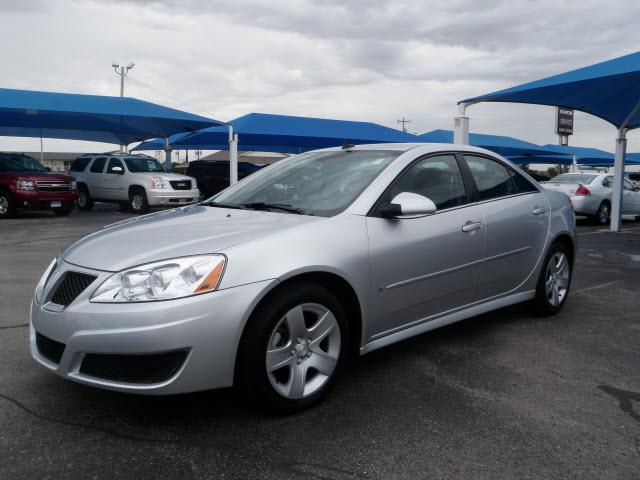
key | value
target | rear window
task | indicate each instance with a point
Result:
(582, 178)
(80, 164)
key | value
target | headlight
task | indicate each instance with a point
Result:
(43, 280)
(157, 182)
(26, 185)
(165, 280)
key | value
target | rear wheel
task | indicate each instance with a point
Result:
(138, 201)
(7, 207)
(293, 348)
(602, 215)
(554, 282)
(84, 201)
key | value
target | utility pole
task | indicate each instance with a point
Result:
(122, 72)
(404, 122)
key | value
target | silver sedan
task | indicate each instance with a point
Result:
(270, 284)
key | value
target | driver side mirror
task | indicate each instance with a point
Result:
(117, 170)
(408, 205)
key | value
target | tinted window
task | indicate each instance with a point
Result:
(79, 164)
(115, 162)
(492, 178)
(627, 185)
(20, 163)
(143, 164)
(437, 178)
(98, 165)
(522, 184)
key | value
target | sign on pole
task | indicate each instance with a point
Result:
(564, 121)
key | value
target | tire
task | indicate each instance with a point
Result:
(603, 215)
(63, 212)
(7, 206)
(138, 201)
(84, 201)
(278, 325)
(554, 282)
(637, 218)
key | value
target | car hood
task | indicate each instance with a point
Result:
(192, 230)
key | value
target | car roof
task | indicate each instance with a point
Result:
(424, 147)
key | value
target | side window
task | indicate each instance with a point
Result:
(79, 164)
(115, 162)
(98, 165)
(437, 178)
(607, 182)
(522, 184)
(627, 185)
(492, 178)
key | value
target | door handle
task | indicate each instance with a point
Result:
(538, 210)
(471, 227)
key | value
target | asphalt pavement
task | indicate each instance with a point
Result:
(502, 396)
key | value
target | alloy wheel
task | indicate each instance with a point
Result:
(603, 213)
(303, 350)
(4, 205)
(557, 278)
(136, 201)
(82, 198)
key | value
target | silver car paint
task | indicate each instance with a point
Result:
(422, 283)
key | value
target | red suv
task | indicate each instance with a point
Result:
(25, 183)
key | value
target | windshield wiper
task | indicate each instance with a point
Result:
(223, 205)
(279, 206)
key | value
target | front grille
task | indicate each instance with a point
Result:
(49, 349)
(152, 368)
(53, 186)
(70, 286)
(180, 184)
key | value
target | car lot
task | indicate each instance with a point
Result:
(504, 395)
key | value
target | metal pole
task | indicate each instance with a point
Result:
(461, 126)
(167, 153)
(618, 178)
(41, 151)
(233, 156)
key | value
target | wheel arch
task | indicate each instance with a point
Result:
(566, 240)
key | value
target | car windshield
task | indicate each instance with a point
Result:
(574, 178)
(315, 183)
(20, 163)
(137, 165)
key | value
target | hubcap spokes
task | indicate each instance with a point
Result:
(136, 201)
(4, 205)
(303, 350)
(604, 214)
(557, 278)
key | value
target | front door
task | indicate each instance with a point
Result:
(113, 180)
(421, 267)
(94, 177)
(517, 217)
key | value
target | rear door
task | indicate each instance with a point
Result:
(421, 267)
(516, 216)
(94, 177)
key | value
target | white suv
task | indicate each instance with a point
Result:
(134, 181)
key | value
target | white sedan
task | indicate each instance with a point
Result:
(591, 193)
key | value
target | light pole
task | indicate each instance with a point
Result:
(122, 72)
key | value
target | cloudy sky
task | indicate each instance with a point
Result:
(375, 60)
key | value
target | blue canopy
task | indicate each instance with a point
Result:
(609, 90)
(506, 146)
(288, 134)
(25, 113)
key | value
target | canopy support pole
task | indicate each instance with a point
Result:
(233, 156)
(461, 126)
(167, 153)
(618, 179)
(574, 165)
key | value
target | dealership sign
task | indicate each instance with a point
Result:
(564, 121)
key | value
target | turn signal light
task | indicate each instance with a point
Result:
(582, 190)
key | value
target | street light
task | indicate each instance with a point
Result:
(122, 72)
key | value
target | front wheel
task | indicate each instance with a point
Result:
(554, 282)
(138, 201)
(84, 201)
(293, 348)
(7, 207)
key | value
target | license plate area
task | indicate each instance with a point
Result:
(56, 204)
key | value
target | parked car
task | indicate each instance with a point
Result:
(213, 175)
(25, 183)
(591, 194)
(134, 181)
(272, 283)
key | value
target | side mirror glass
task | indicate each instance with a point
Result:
(117, 170)
(408, 205)
(47, 169)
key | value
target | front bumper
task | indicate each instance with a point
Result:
(207, 328)
(42, 200)
(165, 198)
